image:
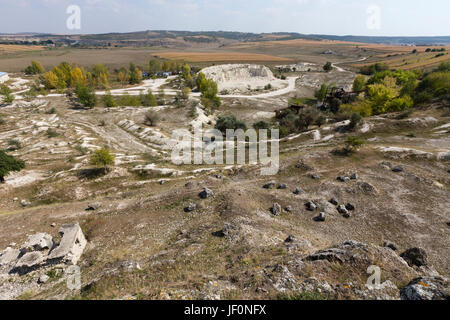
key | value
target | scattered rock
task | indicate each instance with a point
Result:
(25, 203)
(343, 179)
(15, 199)
(315, 176)
(29, 261)
(321, 217)
(38, 242)
(288, 209)
(269, 185)
(415, 257)
(191, 207)
(343, 210)
(427, 288)
(94, 206)
(276, 209)
(333, 201)
(72, 245)
(206, 193)
(43, 279)
(53, 225)
(298, 191)
(390, 245)
(226, 231)
(290, 239)
(349, 207)
(398, 169)
(311, 206)
(354, 176)
(282, 186)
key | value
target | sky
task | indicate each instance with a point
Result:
(336, 17)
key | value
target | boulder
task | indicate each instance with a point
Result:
(427, 288)
(343, 179)
(94, 206)
(30, 261)
(315, 176)
(349, 207)
(282, 186)
(415, 257)
(25, 203)
(321, 217)
(9, 256)
(333, 201)
(398, 169)
(43, 279)
(269, 185)
(354, 176)
(206, 193)
(71, 247)
(227, 230)
(298, 191)
(343, 210)
(288, 209)
(311, 206)
(191, 207)
(276, 209)
(290, 239)
(38, 242)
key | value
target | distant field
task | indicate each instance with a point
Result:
(220, 57)
(12, 48)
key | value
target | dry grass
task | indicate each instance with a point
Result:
(220, 57)
(12, 48)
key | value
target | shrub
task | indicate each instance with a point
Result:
(9, 164)
(306, 118)
(261, 125)
(109, 100)
(229, 122)
(328, 66)
(321, 93)
(354, 120)
(436, 84)
(35, 68)
(359, 83)
(15, 144)
(86, 96)
(148, 99)
(102, 158)
(353, 144)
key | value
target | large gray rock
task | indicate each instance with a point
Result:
(38, 242)
(206, 193)
(9, 256)
(427, 288)
(30, 261)
(71, 247)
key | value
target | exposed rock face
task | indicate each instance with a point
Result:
(238, 77)
(427, 288)
(72, 245)
(38, 242)
(415, 257)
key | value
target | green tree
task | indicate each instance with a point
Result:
(353, 144)
(186, 72)
(359, 83)
(135, 74)
(148, 99)
(321, 93)
(109, 100)
(328, 66)
(9, 164)
(102, 158)
(6, 92)
(229, 122)
(86, 96)
(35, 68)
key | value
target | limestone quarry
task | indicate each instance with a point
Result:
(241, 78)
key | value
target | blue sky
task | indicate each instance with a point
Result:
(340, 17)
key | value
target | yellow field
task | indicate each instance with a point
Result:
(13, 48)
(220, 57)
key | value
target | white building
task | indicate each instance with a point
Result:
(3, 77)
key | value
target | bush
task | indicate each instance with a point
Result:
(328, 66)
(148, 99)
(321, 93)
(436, 84)
(9, 164)
(34, 68)
(354, 120)
(261, 125)
(102, 158)
(359, 83)
(86, 96)
(129, 101)
(306, 118)
(372, 69)
(229, 122)
(109, 100)
(353, 144)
